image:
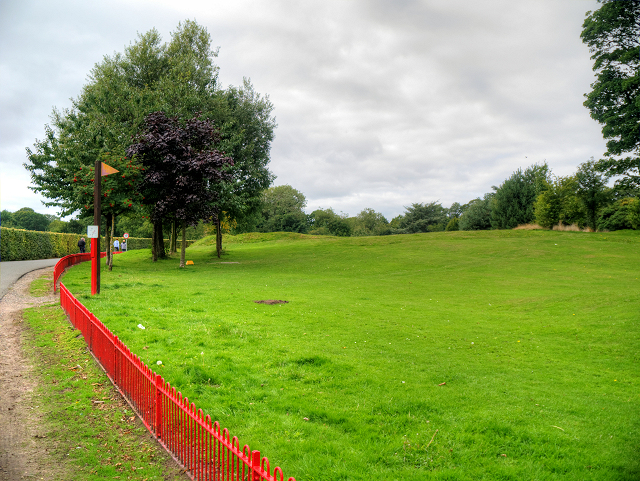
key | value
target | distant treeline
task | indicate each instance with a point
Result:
(532, 196)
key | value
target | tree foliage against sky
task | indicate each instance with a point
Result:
(328, 222)
(178, 78)
(283, 210)
(25, 218)
(477, 215)
(424, 217)
(559, 204)
(514, 198)
(613, 35)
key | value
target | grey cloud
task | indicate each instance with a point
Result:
(379, 103)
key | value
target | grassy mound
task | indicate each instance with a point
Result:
(252, 238)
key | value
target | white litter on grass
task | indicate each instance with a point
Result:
(141, 326)
(159, 363)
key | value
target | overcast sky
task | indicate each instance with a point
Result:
(379, 103)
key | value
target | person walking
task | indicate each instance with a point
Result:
(124, 245)
(81, 245)
(116, 245)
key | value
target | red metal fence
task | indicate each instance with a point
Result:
(200, 446)
(68, 261)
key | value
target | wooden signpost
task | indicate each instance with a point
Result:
(94, 230)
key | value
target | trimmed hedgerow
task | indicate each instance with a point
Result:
(22, 245)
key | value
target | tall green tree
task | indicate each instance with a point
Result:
(328, 222)
(613, 35)
(369, 222)
(246, 132)
(477, 213)
(591, 190)
(559, 204)
(25, 218)
(426, 217)
(179, 78)
(282, 210)
(6, 218)
(514, 198)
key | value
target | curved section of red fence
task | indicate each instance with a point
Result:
(66, 262)
(205, 451)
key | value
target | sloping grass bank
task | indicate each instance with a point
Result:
(462, 355)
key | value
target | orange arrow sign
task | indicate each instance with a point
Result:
(107, 169)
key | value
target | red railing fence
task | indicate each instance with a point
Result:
(206, 452)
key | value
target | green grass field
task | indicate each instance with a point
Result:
(535, 333)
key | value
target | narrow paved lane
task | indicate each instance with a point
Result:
(11, 271)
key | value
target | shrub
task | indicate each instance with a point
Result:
(513, 201)
(22, 245)
(430, 217)
(619, 215)
(453, 224)
(634, 213)
(478, 214)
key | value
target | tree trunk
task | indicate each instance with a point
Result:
(173, 247)
(183, 247)
(157, 248)
(113, 229)
(108, 240)
(218, 237)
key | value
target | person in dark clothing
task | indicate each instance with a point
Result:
(81, 245)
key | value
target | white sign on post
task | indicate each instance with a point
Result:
(93, 231)
(126, 235)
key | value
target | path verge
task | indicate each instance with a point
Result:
(61, 417)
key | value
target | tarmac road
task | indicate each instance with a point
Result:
(11, 271)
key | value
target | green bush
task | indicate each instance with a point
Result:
(634, 212)
(513, 200)
(453, 224)
(478, 214)
(619, 215)
(20, 245)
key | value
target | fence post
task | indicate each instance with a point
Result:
(116, 376)
(255, 466)
(158, 406)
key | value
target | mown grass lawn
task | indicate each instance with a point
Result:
(536, 335)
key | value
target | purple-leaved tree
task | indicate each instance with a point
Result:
(182, 173)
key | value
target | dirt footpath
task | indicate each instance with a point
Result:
(23, 453)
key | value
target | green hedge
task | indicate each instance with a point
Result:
(22, 245)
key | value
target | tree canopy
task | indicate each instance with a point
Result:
(613, 35)
(282, 210)
(25, 218)
(182, 170)
(427, 217)
(514, 198)
(477, 216)
(328, 222)
(178, 78)
(369, 222)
